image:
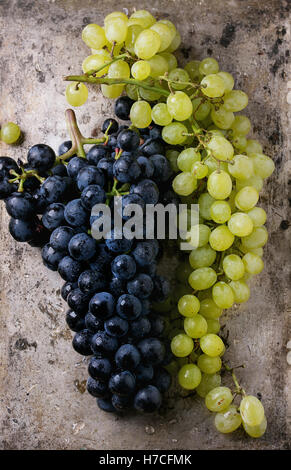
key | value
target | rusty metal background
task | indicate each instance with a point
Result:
(43, 404)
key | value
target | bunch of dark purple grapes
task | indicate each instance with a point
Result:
(110, 284)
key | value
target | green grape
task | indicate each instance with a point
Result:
(174, 134)
(194, 356)
(256, 239)
(240, 290)
(132, 92)
(202, 278)
(220, 211)
(228, 420)
(116, 30)
(133, 32)
(228, 80)
(241, 125)
(263, 165)
(112, 91)
(241, 167)
(179, 105)
(255, 181)
(240, 224)
(209, 365)
(200, 170)
(161, 115)
(223, 295)
(208, 66)
(171, 27)
(179, 75)
(186, 159)
(209, 309)
(182, 345)
(231, 200)
(171, 60)
(192, 68)
(222, 118)
(253, 263)
(144, 17)
(188, 305)
(239, 142)
(253, 146)
(149, 95)
(141, 70)
(94, 62)
(172, 156)
(195, 327)
(189, 376)
(115, 14)
(213, 326)
(183, 271)
(212, 345)
(175, 43)
(219, 184)
(256, 251)
(147, 44)
(218, 399)
(10, 132)
(235, 101)
(258, 216)
(212, 164)
(208, 382)
(220, 147)
(198, 235)
(184, 183)
(251, 410)
(202, 257)
(201, 108)
(141, 114)
(233, 267)
(212, 86)
(205, 202)
(221, 238)
(76, 95)
(119, 69)
(246, 198)
(256, 431)
(159, 66)
(94, 36)
(166, 35)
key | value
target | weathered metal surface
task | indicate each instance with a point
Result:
(42, 380)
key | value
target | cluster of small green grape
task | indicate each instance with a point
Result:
(10, 133)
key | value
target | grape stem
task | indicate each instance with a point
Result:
(119, 57)
(78, 140)
(239, 390)
(21, 178)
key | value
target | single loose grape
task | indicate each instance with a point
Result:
(233, 267)
(228, 80)
(256, 239)
(166, 35)
(223, 295)
(208, 382)
(218, 399)
(263, 165)
(186, 159)
(202, 278)
(189, 376)
(228, 420)
(141, 114)
(184, 184)
(174, 134)
(116, 30)
(258, 216)
(251, 410)
(209, 309)
(235, 100)
(195, 327)
(246, 198)
(240, 290)
(213, 326)
(222, 118)
(219, 184)
(220, 147)
(161, 115)
(94, 36)
(208, 364)
(241, 167)
(182, 345)
(10, 132)
(147, 44)
(188, 305)
(221, 238)
(213, 86)
(179, 106)
(212, 345)
(256, 431)
(208, 66)
(253, 263)
(202, 257)
(241, 125)
(220, 211)
(240, 224)
(76, 94)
